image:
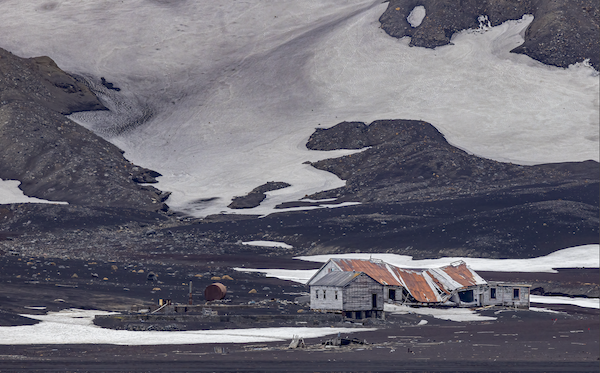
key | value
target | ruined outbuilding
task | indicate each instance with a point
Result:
(332, 287)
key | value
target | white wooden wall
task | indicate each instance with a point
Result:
(324, 298)
(504, 296)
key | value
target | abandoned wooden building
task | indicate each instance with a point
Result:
(356, 294)
(355, 286)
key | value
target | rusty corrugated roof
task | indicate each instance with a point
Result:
(426, 285)
(419, 284)
(456, 275)
(376, 269)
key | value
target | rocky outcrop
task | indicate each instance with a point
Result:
(55, 158)
(41, 82)
(563, 32)
(411, 160)
(256, 196)
(419, 191)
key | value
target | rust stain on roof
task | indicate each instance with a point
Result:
(417, 285)
(376, 270)
(461, 274)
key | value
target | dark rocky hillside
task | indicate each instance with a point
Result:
(563, 32)
(410, 160)
(55, 158)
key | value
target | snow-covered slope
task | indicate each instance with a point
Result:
(221, 97)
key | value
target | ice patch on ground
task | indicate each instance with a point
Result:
(452, 314)
(75, 326)
(10, 193)
(283, 245)
(581, 302)
(538, 309)
(416, 16)
(221, 99)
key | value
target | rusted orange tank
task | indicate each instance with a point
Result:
(215, 291)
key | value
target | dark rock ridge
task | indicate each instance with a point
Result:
(256, 196)
(563, 32)
(40, 81)
(420, 191)
(412, 160)
(55, 158)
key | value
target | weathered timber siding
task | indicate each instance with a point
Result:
(329, 302)
(505, 295)
(478, 294)
(358, 294)
(386, 294)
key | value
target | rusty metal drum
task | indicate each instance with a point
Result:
(215, 291)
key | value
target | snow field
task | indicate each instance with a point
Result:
(452, 314)
(221, 97)
(75, 326)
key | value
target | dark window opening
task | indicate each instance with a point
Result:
(336, 294)
(392, 294)
(324, 294)
(466, 296)
(516, 293)
(374, 300)
(493, 293)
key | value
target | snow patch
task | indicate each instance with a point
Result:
(538, 309)
(452, 314)
(10, 193)
(75, 326)
(283, 245)
(416, 16)
(586, 256)
(581, 302)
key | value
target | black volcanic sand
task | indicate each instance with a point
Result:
(517, 341)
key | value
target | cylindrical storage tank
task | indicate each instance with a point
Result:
(215, 291)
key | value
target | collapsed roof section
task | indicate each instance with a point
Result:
(433, 285)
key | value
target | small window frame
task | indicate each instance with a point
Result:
(516, 293)
(493, 293)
